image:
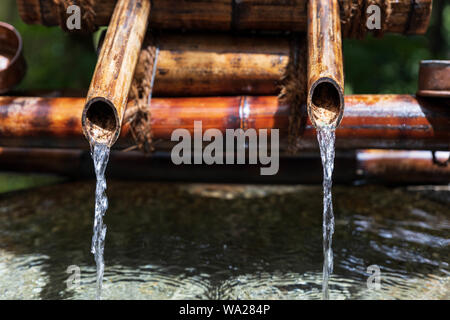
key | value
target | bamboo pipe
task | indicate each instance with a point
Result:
(325, 95)
(398, 16)
(373, 166)
(370, 121)
(108, 93)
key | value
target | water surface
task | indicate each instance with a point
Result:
(193, 241)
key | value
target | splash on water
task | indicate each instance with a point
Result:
(100, 155)
(326, 138)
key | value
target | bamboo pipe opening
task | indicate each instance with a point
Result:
(327, 103)
(101, 122)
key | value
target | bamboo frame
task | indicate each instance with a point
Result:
(108, 93)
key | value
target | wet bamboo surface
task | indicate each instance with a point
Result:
(325, 95)
(373, 166)
(370, 121)
(406, 16)
(111, 82)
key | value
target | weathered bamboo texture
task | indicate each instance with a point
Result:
(374, 166)
(398, 16)
(325, 95)
(370, 121)
(108, 93)
(207, 65)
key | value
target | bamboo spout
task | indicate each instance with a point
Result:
(108, 93)
(325, 100)
(100, 121)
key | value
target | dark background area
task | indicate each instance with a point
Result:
(57, 60)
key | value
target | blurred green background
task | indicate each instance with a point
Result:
(388, 65)
(57, 60)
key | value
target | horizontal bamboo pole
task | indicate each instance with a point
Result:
(220, 64)
(370, 121)
(108, 93)
(407, 167)
(372, 166)
(399, 16)
(325, 95)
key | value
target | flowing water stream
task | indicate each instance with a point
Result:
(326, 138)
(100, 156)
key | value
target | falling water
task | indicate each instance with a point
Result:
(100, 155)
(326, 138)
